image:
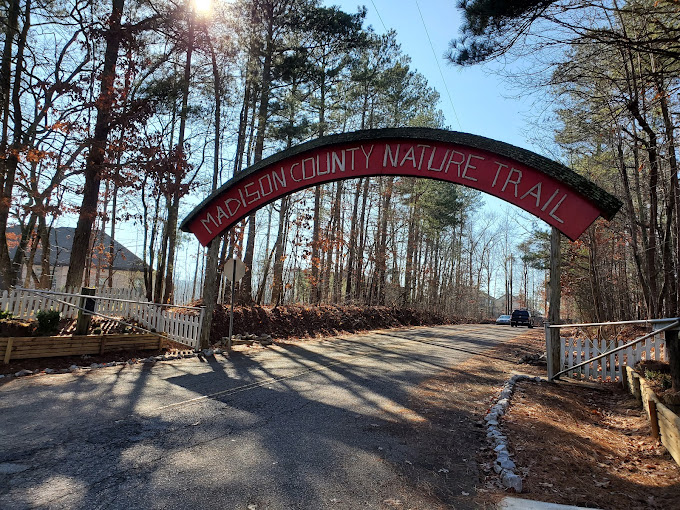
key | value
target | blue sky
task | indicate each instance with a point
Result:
(477, 101)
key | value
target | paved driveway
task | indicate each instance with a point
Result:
(304, 426)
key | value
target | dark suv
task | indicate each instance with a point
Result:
(521, 318)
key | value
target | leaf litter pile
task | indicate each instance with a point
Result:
(298, 321)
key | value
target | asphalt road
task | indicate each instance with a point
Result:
(305, 426)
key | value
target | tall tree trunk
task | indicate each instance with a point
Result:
(96, 157)
(277, 286)
(162, 259)
(8, 157)
(362, 242)
(339, 248)
(351, 252)
(246, 288)
(315, 282)
(44, 233)
(632, 221)
(408, 273)
(173, 210)
(317, 268)
(381, 249)
(652, 272)
(212, 281)
(672, 264)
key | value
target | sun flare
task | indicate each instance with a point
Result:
(202, 7)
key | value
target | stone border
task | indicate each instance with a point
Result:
(503, 465)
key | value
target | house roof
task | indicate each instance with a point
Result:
(61, 242)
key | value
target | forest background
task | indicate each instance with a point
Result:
(123, 112)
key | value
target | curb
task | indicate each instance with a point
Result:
(510, 503)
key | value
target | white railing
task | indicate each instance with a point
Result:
(181, 326)
(599, 358)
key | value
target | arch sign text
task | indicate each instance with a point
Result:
(540, 186)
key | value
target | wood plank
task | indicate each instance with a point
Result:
(669, 415)
(8, 351)
(75, 351)
(118, 345)
(667, 428)
(45, 347)
(55, 354)
(71, 337)
(56, 345)
(672, 444)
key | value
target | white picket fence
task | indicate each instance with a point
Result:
(578, 350)
(181, 326)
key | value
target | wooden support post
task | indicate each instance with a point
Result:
(653, 418)
(102, 344)
(84, 318)
(637, 392)
(8, 351)
(624, 376)
(555, 298)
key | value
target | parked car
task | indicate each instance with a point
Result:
(521, 318)
(503, 319)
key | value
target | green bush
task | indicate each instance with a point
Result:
(661, 378)
(48, 321)
(4, 314)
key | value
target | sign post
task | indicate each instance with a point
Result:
(234, 269)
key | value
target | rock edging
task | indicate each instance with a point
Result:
(503, 465)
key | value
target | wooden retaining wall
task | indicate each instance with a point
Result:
(664, 422)
(76, 345)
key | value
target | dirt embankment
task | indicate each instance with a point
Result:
(296, 321)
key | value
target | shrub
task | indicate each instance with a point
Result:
(4, 314)
(664, 380)
(48, 321)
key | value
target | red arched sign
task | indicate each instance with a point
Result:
(540, 186)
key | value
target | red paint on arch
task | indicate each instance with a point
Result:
(512, 181)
